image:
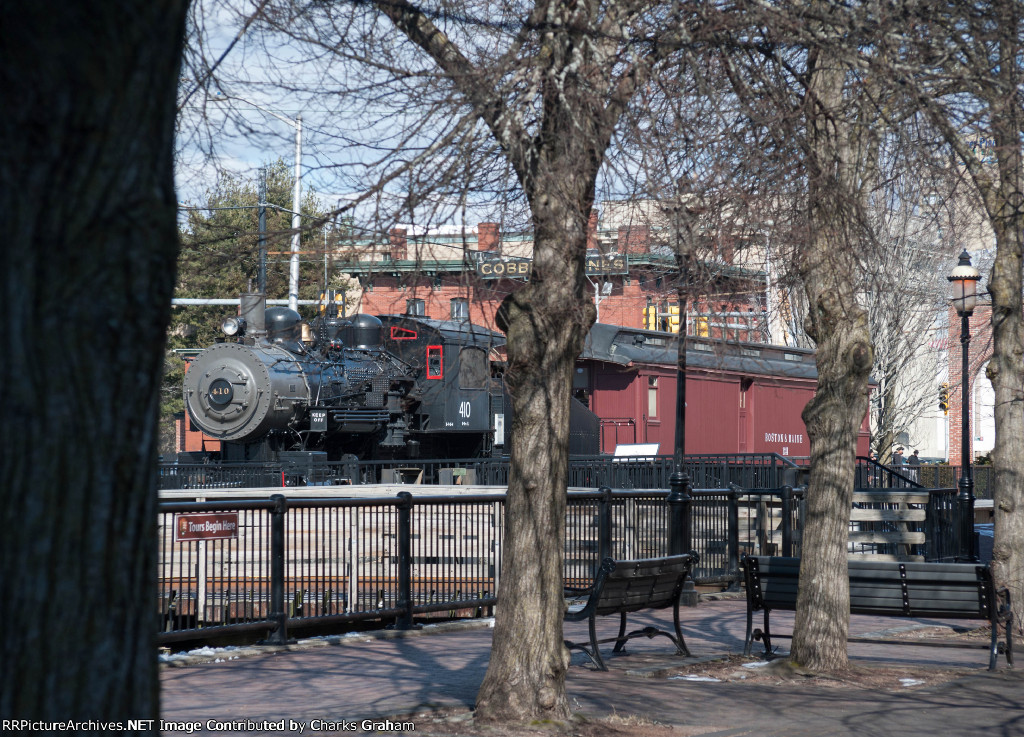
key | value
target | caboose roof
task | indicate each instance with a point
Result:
(636, 347)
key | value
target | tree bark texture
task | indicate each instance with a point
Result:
(839, 327)
(1005, 370)
(546, 324)
(992, 77)
(88, 92)
(1005, 203)
(554, 133)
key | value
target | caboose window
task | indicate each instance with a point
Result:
(473, 369)
(435, 362)
(652, 396)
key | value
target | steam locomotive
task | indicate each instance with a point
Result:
(389, 386)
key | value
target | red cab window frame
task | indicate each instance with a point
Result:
(435, 350)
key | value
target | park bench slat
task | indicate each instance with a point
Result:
(930, 570)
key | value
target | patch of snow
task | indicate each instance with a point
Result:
(201, 652)
(692, 677)
(908, 682)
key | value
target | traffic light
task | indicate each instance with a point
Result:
(651, 317)
(673, 319)
(944, 398)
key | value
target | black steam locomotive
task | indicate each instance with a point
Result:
(389, 386)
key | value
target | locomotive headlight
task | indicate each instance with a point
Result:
(233, 326)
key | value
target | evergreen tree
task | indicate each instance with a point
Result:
(219, 258)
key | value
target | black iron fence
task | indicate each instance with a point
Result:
(935, 476)
(648, 472)
(267, 565)
(873, 475)
(276, 564)
(912, 523)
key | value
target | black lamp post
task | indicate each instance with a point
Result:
(679, 499)
(680, 503)
(964, 279)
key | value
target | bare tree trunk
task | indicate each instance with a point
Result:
(556, 146)
(886, 437)
(1006, 367)
(839, 327)
(546, 325)
(1005, 370)
(987, 67)
(88, 269)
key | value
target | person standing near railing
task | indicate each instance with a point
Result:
(914, 462)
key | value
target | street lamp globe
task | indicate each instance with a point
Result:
(964, 279)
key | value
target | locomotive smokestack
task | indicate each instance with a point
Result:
(254, 308)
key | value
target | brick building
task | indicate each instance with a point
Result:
(467, 274)
(981, 409)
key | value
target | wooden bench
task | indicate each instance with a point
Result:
(887, 588)
(629, 586)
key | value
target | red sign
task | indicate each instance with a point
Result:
(205, 526)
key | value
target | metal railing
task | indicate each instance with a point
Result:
(641, 472)
(218, 475)
(937, 525)
(275, 564)
(292, 562)
(933, 475)
(286, 562)
(871, 474)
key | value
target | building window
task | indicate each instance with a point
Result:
(415, 307)
(460, 309)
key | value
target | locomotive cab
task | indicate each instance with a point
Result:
(461, 408)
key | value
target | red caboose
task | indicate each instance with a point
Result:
(740, 397)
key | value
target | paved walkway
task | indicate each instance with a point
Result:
(335, 688)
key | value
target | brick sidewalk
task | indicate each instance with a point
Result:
(372, 678)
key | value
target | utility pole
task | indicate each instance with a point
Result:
(293, 272)
(261, 280)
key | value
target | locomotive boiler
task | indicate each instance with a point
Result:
(266, 390)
